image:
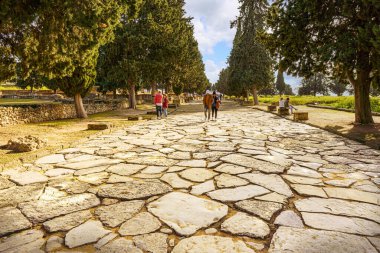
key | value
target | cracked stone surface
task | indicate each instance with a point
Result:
(251, 181)
(114, 215)
(208, 243)
(244, 224)
(262, 209)
(89, 232)
(294, 240)
(186, 213)
(142, 223)
(12, 220)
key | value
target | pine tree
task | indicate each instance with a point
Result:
(250, 64)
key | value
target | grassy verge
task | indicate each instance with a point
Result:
(346, 102)
(59, 134)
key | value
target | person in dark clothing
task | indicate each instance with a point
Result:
(215, 105)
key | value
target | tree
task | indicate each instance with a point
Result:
(222, 84)
(60, 39)
(250, 64)
(288, 90)
(34, 81)
(157, 46)
(314, 85)
(280, 82)
(338, 87)
(340, 37)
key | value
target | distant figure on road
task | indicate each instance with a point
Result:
(165, 105)
(158, 103)
(215, 105)
(207, 103)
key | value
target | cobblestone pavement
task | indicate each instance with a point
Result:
(248, 182)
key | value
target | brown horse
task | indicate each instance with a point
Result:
(207, 103)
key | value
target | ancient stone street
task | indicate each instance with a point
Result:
(248, 182)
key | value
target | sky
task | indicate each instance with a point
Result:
(211, 19)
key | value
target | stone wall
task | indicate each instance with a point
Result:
(12, 115)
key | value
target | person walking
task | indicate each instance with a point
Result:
(158, 103)
(165, 105)
(207, 104)
(215, 105)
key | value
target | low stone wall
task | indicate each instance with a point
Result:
(19, 114)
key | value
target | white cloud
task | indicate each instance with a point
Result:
(212, 21)
(213, 69)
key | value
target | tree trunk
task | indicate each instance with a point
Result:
(114, 94)
(154, 89)
(247, 95)
(31, 88)
(255, 97)
(79, 108)
(132, 96)
(362, 85)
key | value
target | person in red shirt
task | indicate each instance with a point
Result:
(165, 105)
(158, 103)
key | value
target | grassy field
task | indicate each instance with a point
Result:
(14, 87)
(346, 102)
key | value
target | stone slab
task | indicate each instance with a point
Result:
(67, 222)
(208, 243)
(116, 214)
(339, 207)
(238, 193)
(296, 240)
(42, 210)
(88, 232)
(12, 220)
(185, 213)
(246, 225)
(272, 182)
(134, 190)
(263, 209)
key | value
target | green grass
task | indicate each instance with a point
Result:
(14, 87)
(346, 102)
(11, 101)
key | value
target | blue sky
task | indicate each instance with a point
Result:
(211, 19)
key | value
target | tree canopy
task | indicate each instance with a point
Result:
(250, 65)
(337, 37)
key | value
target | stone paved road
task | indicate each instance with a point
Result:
(249, 182)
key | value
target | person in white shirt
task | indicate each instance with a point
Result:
(281, 104)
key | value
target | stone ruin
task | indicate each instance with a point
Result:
(26, 144)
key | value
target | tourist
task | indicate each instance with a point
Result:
(207, 103)
(165, 105)
(158, 103)
(215, 105)
(281, 104)
(288, 105)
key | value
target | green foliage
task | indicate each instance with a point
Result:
(314, 85)
(222, 84)
(338, 87)
(157, 46)
(345, 102)
(250, 66)
(280, 82)
(340, 38)
(288, 90)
